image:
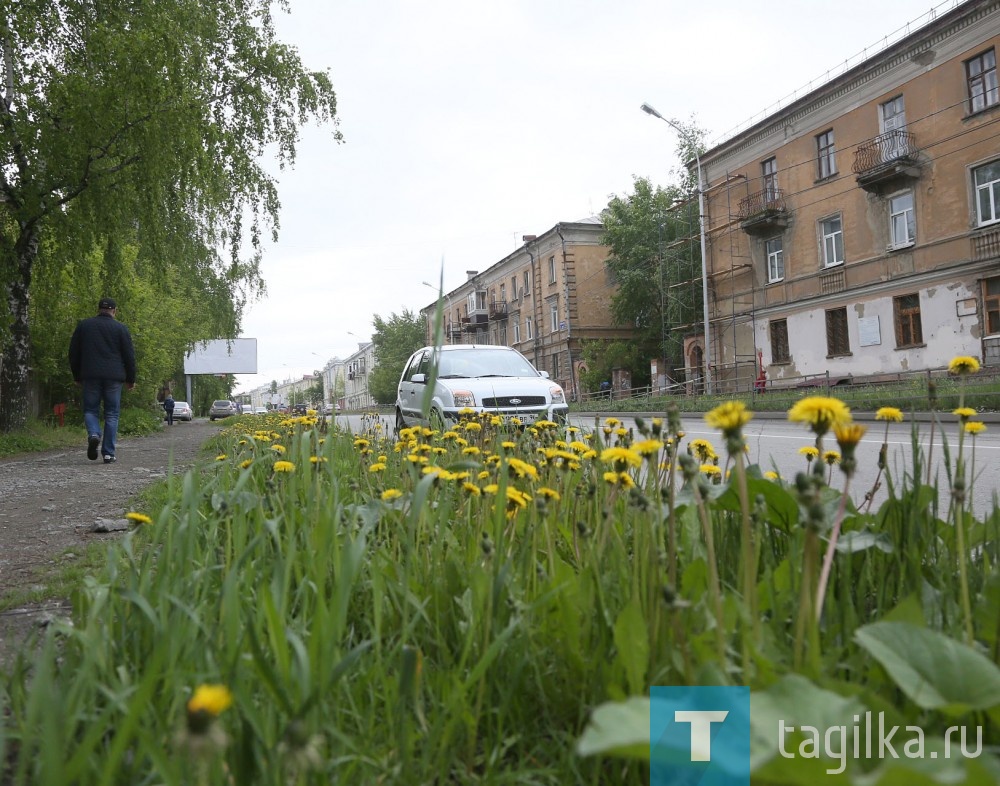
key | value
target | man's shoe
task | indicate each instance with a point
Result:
(109, 459)
(92, 442)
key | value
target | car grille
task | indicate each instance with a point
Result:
(506, 402)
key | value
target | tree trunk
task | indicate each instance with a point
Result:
(16, 360)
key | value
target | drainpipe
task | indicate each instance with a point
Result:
(569, 323)
(534, 316)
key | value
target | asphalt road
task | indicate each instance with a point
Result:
(774, 444)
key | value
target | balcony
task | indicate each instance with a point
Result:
(764, 212)
(986, 245)
(498, 309)
(886, 159)
(477, 321)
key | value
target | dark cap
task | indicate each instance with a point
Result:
(107, 302)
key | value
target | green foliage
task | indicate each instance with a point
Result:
(395, 339)
(393, 625)
(655, 261)
(137, 130)
(601, 357)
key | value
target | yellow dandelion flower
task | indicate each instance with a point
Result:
(963, 413)
(471, 489)
(317, 459)
(975, 427)
(821, 413)
(621, 456)
(612, 422)
(729, 417)
(772, 475)
(473, 426)
(246, 463)
(890, 414)
(626, 480)
(377, 467)
(471, 451)
(703, 449)
(280, 449)
(284, 466)
(548, 493)
(138, 518)
(610, 477)
(439, 451)
(508, 445)
(963, 364)
(361, 442)
(809, 452)
(210, 699)
(848, 435)
(517, 498)
(221, 457)
(492, 488)
(522, 468)
(648, 447)
(390, 494)
(831, 457)
(483, 474)
(710, 469)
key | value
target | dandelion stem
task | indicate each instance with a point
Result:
(824, 576)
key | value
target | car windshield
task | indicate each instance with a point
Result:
(222, 404)
(483, 363)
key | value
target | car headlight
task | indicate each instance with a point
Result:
(463, 398)
(558, 397)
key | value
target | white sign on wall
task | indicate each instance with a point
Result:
(869, 333)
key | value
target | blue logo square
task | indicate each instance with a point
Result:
(699, 736)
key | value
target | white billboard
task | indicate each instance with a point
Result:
(222, 356)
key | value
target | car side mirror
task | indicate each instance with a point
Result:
(418, 379)
(543, 374)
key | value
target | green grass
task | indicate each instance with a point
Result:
(378, 623)
(43, 434)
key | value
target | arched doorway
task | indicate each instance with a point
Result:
(696, 367)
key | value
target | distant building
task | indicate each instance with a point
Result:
(857, 230)
(357, 367)
(543, 299)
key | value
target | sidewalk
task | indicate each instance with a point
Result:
(859, 416)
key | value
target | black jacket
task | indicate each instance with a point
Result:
(101, 348)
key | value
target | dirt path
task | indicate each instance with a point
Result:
(50, 503)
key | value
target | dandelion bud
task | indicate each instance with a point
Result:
(486, 544)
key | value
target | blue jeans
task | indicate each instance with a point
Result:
(110, 392)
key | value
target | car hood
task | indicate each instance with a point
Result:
(501, 386)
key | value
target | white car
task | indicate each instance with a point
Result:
(495, 379)
(260, 411)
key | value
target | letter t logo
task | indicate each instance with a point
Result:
(701, 730)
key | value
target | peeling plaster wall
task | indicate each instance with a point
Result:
(945, 334)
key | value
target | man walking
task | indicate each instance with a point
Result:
(102, 359)
(168, 407)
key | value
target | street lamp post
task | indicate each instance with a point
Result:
(701, 227)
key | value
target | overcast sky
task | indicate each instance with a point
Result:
(470, 124)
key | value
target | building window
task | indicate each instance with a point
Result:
(837, 340)
(525, 292)
(513, 287)
(769, 175)
(907, 312)
(987, 192)
(775, 260)
(902, 220)
(981, 75)
(555, 366)
(527, 328)
(502, 334)
(503, 293)
(554, 314)
(517, 332)
(825, 154)
(552, 270)
(833, 241)
(779, 341)
(991, 304)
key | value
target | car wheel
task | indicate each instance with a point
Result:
(436, 420)
(400, 423)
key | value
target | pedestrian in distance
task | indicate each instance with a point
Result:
(102, 359)
(168, 407)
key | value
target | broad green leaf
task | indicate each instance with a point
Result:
(618, 729)
(632, 643)
(936, 672)
(782, 509)
(861, 540)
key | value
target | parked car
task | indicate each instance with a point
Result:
(182, 411)
(223, 408)
(260, 411)
(494, 379)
